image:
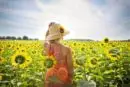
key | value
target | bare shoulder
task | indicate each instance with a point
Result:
(67, 48)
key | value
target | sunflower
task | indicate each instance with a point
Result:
(21, 59)
(50, 61)
(113, 54)
(106, 40)
(128, 46)
(1, 60)
(80, 61)
(92, 62)
(16, 48)
(0, 77)
(9, 45)
(1, 50)
(82, 49)
(20, 49)
(35, 52)
(23, 49)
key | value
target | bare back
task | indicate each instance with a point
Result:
(59, 51)
(63, 56)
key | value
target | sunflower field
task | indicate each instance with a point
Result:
(100, 63)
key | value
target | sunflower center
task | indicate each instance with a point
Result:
(106, 40)
(20, 59)
(61, 30)
(49, 63)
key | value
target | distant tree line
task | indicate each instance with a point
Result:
(16, 38)
(98, 40)
(81, 39)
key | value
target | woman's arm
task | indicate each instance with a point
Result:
(45, 51)
(70, 63)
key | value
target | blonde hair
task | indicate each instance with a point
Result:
(52, 41)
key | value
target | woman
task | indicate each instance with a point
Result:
(63, 69)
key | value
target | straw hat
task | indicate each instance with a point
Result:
(56, 31)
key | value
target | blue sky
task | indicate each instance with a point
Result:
(92, 19)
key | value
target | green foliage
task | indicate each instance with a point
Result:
(104, 64)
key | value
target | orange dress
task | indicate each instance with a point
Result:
(59, 70)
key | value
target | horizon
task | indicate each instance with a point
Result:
(29, 38)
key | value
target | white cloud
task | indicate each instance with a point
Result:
(83, 19)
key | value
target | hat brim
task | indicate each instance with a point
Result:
(66, 33)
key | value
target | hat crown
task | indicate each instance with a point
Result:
(54, 29)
